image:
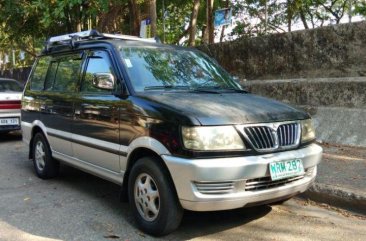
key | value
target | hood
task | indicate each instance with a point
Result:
(226, 108)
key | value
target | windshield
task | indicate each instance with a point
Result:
(7, 85)
(151, 68)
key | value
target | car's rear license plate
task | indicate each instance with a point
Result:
(9, 121)
(285, 169)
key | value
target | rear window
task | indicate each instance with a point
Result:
(10, 86)
(39, 74)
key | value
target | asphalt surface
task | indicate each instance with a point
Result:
(78, 206)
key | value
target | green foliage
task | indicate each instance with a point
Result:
(26, 24)
(360, 8)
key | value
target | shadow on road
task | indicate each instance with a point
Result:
(76, 197)
(12, 136)
(194, 224)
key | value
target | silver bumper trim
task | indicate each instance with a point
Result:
(185, 172)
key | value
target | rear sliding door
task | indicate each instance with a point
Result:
(57, 100)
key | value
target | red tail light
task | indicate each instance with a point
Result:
(10, 104)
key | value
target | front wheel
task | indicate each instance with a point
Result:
(44, 165)
(153, 198)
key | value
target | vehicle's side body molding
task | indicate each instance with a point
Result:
(104, 148)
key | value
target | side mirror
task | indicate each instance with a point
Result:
(104, 81)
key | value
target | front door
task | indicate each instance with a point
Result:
(96, 125)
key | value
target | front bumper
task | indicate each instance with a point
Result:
(186, 173)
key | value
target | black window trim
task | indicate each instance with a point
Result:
(85, 66)
(33, 70)
(57, 58)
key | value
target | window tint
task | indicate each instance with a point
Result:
(39, 74)
(67, 74)
(50, 75)
(98, 62)
(10, 86)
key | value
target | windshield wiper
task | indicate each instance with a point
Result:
(218, 89)
(206, 90)
(236, 90)
(166, 87)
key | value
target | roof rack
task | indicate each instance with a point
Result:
(73, 38)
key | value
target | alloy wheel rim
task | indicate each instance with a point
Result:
(147, 198)
(40, 156)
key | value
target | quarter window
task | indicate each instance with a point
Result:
(39, 74)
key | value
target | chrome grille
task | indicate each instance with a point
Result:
(215, 187)
(287, 134)
(263, 183)
(271, 136)
(261, 137)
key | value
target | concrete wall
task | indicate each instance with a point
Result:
(334, 51)
(336, 104)
(332, 92)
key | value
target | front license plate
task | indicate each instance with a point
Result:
(9, 121)
(284, 169)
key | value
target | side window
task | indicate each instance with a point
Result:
(67, 74)
(98, 62)
(50, 77)
(39, 74)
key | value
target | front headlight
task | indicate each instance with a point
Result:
(212, 138)
(307, 130)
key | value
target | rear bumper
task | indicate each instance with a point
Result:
(237, 171)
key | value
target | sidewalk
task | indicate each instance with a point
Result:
(341, 179)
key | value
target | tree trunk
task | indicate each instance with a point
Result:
(78, 18)
(134, 18)
(153, 17)
(289, 15)
(303, 18)
(224, 27)
(193, 23)
(210, 22)
(204, 35)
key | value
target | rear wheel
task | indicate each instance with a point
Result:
(44, 165)
(153, 198)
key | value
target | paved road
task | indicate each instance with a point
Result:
(78, 206)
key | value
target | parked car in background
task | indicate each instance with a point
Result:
(10, 105)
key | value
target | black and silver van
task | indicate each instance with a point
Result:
(167, 124)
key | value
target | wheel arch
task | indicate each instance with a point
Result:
(133, 157)
(37, 127)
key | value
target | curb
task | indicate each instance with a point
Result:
(336, 196)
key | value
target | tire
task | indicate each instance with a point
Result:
(44, 165)
(148, 178)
